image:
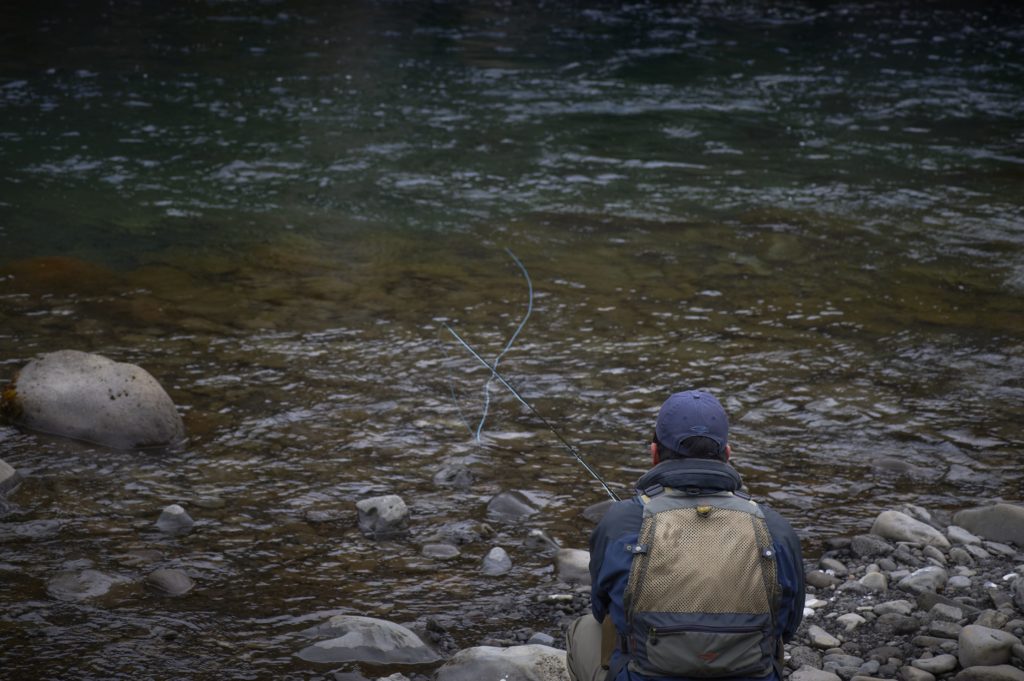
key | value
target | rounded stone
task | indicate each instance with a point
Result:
(496, 562)
(170, 581)
(382, 516)
(91, 398)
(510, 507)
(440, 551)
(998, 522)
(982, 646)
(938, 665)
(351, 638)
(875, 581)
(929, 578)
(80, 586)
(898, 526)
(175, 520)
(821, 639)
(573, 566)
(516, 663)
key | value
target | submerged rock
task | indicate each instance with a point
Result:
(383, 516)
(80, 586)
(517, 663)
(92, 398)
(170, 581)
(366, 639)
(510, 506)
(9, 478)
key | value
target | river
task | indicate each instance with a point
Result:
(814, 210)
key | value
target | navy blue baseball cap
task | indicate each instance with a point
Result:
(693, 413)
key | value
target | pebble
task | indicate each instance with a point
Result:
(821, 639)
(959, 582)
(850, 621)
(496, 562)
(875, 581)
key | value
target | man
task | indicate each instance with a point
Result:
(698, 580)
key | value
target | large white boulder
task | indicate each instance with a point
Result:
(350, 638)
(897, 526)
(89, 397)
(517, 663)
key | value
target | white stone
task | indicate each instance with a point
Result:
(959, 582)
(496, 562)
(959, 535)
(809, 673)
(821, 639)
(940, 664)
(92, 398)
(573, 566)
(875, 581)
(930, 578)
(383, 516)
(516, 663)
(898, 526)
(175, 520)
(815, 603)
(900, 607)
(998, 522)
(366, 639)
(851, 621)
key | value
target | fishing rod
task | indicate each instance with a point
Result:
(522, 400)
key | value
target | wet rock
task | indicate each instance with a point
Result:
(170, 581)
(808, 673)
(898, 526)
(938, 665)
(516, 663)
(384, 516)
(80, 586)
(92, 398)
(461, 532)
(981, 646)
(350, 638)
(595, 512)
(456, 475)
(820, 638)
(998, 522)
(510, 507)
(538, 540)
(870, 545)
(496, 562)
(440, 551)
(175, 520)
(930, 578)
(573, 566)
(836, 567)
(1003, 672)
(9, 478)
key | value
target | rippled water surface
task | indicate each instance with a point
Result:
(814, 210)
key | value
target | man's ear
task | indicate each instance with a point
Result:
(655, 459)
(728, 452)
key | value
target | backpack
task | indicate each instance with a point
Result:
(702, 595)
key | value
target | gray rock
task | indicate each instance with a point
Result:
(1002, 672)
(909, 673)
(836, 661)
(958, 582)
(573, 566)
(89, 397)
(365, 639)
(174, 520)
(510, 507)
(517, 663)
(935, 554)
(981, 646)
(993, 619)
(496, 562)
(821, 639)
(538, 540)
(541, 639)
(961, 556)
(899, 607)
(9, 478)
(901, 527)
(837, 567)
(440, 551)
(80, 586)
(950, 630)
(800, 656)
(977, 552)
(170, 581)
(940, 664)
(897, 624)
(926, 600)
(595, 512)
(820, 580)
(851, 621)
(959, 535)
(949, 613)
(869, 546)
(999, 522)
(461, 532)
(384, 516)
(1018, 593)
(875, 581)
(456, 475)
(1000, 549)
(808, 673)
(929, 578)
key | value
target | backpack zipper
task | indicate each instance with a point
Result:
(652, 633)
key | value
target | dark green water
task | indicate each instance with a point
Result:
(814, 210)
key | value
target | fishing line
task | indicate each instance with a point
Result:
(522, 400)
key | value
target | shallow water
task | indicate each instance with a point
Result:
(814, 211)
